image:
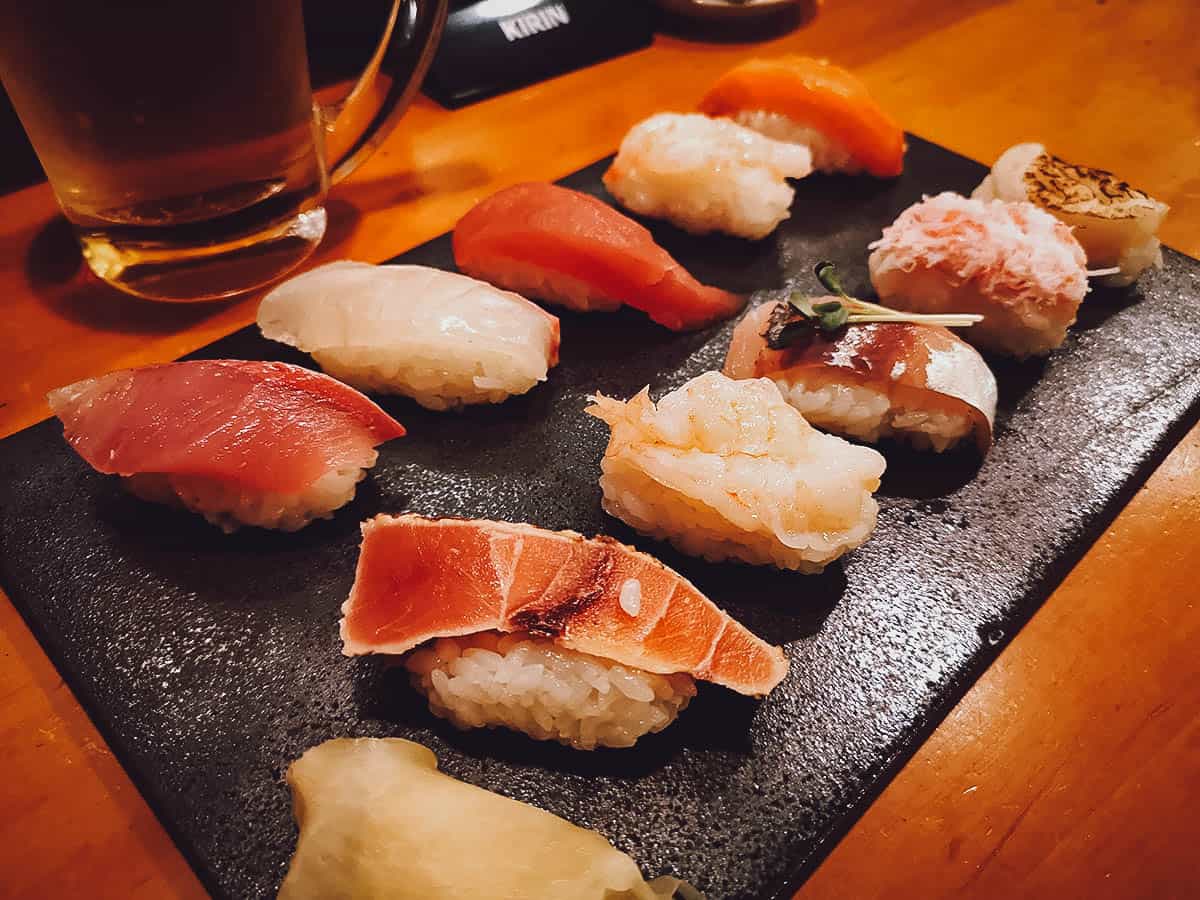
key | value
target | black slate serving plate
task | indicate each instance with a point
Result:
(211, 661)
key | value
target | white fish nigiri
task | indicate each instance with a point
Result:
(1116, 224)
(726, 469)
(1014, 264)
(443, 339)
(706, 175)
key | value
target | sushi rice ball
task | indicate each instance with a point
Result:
(1116, 224)
(443, 339)
(706, 175)
(1013, 263)
(548, 692)
(726, 469)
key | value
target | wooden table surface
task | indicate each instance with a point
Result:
(1070, 769)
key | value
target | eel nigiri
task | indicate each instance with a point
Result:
(813, 103)
(569, 248)
(706, 175)
(241, 443)
(584, 641)
(1116, 224)
(378, 821)
(727, 469)
(1013, 263)
(441, 338)
(917, 382)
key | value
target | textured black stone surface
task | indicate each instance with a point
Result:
(211, 661)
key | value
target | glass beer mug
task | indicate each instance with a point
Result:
(181, 137)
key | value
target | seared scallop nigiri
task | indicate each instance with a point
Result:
(1116, 224)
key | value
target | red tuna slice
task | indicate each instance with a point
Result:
(265, 426)
(566, 247)
(421, 578)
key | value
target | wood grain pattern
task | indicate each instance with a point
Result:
(1067, 769)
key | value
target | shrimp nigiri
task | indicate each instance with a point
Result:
(726, 469)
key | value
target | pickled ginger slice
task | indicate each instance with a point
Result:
(378, 821)
(916, 382)
(443, 339)
(569, 248)
(814, 103)
(726, 469)
(240, 442)
(1116, 224)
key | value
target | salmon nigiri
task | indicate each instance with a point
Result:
(569, 248)
(241, 443)
(921, 383)
(815, 103)
(585, 641)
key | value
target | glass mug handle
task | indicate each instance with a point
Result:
(358, 123)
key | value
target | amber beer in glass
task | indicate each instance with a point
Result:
(181, 137)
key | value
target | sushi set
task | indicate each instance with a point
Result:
(690, 556)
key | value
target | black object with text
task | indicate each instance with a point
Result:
(493, 46)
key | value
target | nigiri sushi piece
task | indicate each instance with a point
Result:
(1116, 224)
(915, 382)
(569, 248)
(1013, 263)
(706, 175)
(240, 443)
(583, 641)
(726, 469)
(378, 821)
(443, 339)
(813, 103)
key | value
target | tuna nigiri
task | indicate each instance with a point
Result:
(241, 443)
(585, 641)
(569, 248)
(1011, 262)
(913, 381)
(705, 175)
(441, 338)
(813, 103)
(726, 469)
(1116, 224)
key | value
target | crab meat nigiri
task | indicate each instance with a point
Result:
(917, 382)
(241, 443)
(586, 641)
(569, 248)
(1012, 263)
(814, 103)
(1116, 224)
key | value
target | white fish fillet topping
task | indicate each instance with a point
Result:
(441, 338)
